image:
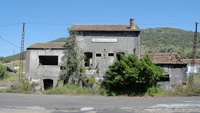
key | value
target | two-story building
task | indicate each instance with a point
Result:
(102, 44)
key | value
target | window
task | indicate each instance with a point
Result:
(166, 78)
(98, 55)
(110, 54)
(119, 55)
(48, 60)
(134, 50)
(88, 59)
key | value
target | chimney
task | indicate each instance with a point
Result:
(132, 23)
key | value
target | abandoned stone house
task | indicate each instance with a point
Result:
(43, 61)
(174, 66)
(101, 45)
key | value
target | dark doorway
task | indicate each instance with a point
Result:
(48, 83)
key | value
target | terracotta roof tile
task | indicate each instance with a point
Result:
(103, 27)
(188, 61)
(165, 58)
(57, 45)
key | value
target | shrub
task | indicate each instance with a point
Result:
(3, 72)
(22, 87)
(131, 76)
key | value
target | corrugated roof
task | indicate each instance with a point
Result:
(103, 27)
(188, 61)
(166, 58)
(56, 45)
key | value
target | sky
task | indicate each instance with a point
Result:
(47, 20)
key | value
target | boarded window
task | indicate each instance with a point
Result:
(48, 60)
(88, 59)
(119, 55)
(110, 54)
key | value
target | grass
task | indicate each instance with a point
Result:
(194, 90)
(70, 89)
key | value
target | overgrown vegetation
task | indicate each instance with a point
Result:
(3, 72)
(131, 76)
(168, 40)
(73, 89)
(22, 87)
(74, 71)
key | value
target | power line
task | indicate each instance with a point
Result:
(49, 23)
(9, 24)
(9, 42)
(169, 23)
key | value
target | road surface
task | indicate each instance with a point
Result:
(22, 103)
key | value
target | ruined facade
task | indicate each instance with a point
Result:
(43, 63)
(102, 44)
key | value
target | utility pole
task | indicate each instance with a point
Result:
(22, 54)
(13, 60)
(191, 77)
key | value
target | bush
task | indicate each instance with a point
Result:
(131, 76)
(152, 91)
(3, 72)
(22, 87)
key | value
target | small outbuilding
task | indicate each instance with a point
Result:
(43, 63)
(174, 67)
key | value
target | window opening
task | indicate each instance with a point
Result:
(134, 51)
(88, 59)
(110, 54)
(119, 55)
(48, 83)
(48, 60)
(166, 78)
(98, 55)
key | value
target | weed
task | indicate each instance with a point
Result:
(71, 89)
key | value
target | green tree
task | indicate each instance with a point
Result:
(3, 72)
(131, 76)
(74, 71)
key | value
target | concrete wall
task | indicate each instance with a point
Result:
(36, 72)
(177, 75)
(107, 42)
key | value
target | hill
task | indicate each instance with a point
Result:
(168, 40)
(156, 40)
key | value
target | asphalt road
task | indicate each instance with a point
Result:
(22, 103)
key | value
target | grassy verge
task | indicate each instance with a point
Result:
(194, 90)
(70, 89)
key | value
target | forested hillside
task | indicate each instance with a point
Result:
(157, 40)
(168, 40)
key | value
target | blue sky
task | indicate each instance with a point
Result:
(48, 20)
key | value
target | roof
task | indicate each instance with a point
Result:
(103, 27)
(188, 61)
(56, 45)
(166, 58)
